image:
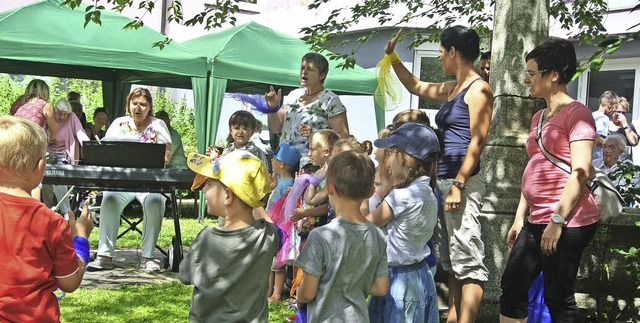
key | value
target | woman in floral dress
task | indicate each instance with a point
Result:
(309, 108)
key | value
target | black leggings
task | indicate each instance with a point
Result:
(559, 270)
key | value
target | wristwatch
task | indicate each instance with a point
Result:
(459, 185)
(557, 218)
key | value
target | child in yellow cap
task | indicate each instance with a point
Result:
(229, 266)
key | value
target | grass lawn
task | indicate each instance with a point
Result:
(169, 302)
(148, 303)
(189, 228)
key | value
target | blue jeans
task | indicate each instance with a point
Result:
(411, 298)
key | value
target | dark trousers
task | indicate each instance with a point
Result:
(560, 270)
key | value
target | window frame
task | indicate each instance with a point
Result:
(426, 50)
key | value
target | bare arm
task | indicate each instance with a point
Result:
(82, 228)
(167, 153)
(518, 221)
(300, 213)
(381, 216)
(274, 120)
(479, 98)
(308, 288)
(340, 125)
(314, 196)
(436, 92)
(580, 163)
(47, 110)
(379, 286)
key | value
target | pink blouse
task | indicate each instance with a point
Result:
(542, 181)
(33, 110)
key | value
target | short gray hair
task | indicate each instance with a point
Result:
(63, 105)
(619, 141)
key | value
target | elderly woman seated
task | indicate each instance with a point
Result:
(613, 147)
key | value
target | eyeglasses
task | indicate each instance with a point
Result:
(620, 111)
(485, 68)
(530, 74)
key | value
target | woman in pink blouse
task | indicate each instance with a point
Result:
(557, 215)
(140, 126)
(34, 105)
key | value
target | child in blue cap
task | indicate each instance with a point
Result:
(284, 164)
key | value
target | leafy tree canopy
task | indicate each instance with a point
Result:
(581, 18)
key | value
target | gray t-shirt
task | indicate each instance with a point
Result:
(346, 257)
(415, 214)
(230, 272)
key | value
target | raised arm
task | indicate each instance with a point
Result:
(382, 215)
(436, 92)
(275, 120)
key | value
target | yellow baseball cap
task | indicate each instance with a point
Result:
(243, 173)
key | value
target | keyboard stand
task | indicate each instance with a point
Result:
(174, 253)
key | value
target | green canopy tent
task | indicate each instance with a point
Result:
(250, 57)
(45, 39)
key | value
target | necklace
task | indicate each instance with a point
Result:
(554, 113)
(312, 94)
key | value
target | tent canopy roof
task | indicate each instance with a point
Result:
(254, 53)
(45, 39)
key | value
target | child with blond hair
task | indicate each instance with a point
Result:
(40, 252)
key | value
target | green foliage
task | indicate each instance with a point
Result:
(626, 175)
(182, 117)
(582, 19)
(631, 266)
(12, 86)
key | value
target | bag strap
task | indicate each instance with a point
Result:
(553, 159)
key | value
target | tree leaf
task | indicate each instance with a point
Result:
(596, 64)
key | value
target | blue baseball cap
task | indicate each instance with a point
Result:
(287, 154)
(414, 139)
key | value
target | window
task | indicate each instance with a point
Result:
(619, 81)
(621, 76)
(431, 71)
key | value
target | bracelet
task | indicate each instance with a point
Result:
(81, 245)
(393, 57)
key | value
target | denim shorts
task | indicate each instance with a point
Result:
(411, 298)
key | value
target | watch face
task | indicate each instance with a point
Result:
(556, 218)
